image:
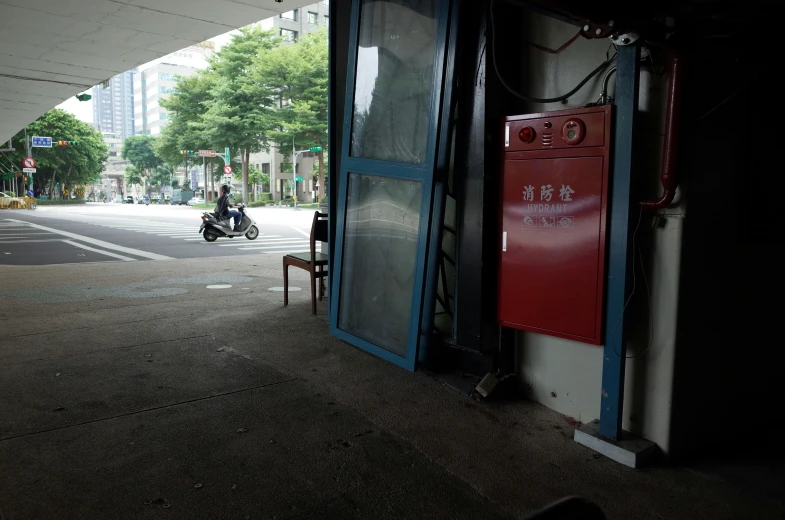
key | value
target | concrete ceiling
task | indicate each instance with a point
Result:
(51, 50)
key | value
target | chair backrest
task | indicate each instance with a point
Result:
(319, 232)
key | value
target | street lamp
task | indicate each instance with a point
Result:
(170, 176)
(294, 167)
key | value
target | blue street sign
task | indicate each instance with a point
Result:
(42, 142)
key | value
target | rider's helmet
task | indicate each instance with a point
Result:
(225, 188)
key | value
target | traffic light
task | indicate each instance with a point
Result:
(187, 152)
(315, 149)
(66, 143)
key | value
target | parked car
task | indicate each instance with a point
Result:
(128, 200)
(195, 200)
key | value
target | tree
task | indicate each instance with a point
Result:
(297, 74)
(133, 176)
(140, 150)
(74, 165)
(239, 111)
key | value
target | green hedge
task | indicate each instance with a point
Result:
(267, 196)
(257, 204)
(59, 202)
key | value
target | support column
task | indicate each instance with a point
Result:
(615, 333)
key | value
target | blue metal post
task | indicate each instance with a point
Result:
(614, 353)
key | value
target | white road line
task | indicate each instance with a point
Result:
(274, 242)
(301, 232)
(15, 237)
(101, 243)
(23, 241)
(107, 253)
(246, 243)
(285, 247)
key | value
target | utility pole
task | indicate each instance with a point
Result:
(294, 174)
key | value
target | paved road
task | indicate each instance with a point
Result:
(115, 232)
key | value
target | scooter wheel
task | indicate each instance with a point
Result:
(210, 236)
(252, 233)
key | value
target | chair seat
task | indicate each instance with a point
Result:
(320, 258)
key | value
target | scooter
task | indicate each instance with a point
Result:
(213, 227)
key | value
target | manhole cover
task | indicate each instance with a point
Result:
(220, 286)
(280, 289)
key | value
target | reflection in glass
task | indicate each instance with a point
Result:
(379, 253)
(394, 80)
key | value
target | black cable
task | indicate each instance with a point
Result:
(534, 99)
(707, 114)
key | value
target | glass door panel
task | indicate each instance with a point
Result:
(394, 84)
(379, 256)
(386, 179)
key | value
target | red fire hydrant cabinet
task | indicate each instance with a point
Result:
(554, 199)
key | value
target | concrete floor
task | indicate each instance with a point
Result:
(130, 390)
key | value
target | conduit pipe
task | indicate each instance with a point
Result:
(670, 147)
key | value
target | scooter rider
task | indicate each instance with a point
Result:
(222, 208)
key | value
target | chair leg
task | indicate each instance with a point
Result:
(321, 284)
(285, 283)
(313, 289)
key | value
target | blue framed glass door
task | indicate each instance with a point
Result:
(393, 104)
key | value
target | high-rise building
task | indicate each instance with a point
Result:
(113, 106)
(158, 79)
(291, 25)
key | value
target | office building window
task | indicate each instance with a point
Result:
(326, 21)
(326, 2)
(289, 35)
(290, 15)
(265, 168)
(312, 18)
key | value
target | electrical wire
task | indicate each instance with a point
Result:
(566, 44)
(523, 96)
(632, 292)
(707, 114)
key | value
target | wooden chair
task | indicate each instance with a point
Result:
(311, 261)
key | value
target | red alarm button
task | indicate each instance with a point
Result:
(527, 134)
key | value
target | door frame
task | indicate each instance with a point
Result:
(423, 173)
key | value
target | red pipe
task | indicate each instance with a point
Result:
(672, 122)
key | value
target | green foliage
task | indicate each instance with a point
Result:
(255, 175)
(57, 202)
(68, 165)
(133, 175)
(257, 204)
(186, 108)
(298, 75)
(256, 91)
(141, 151)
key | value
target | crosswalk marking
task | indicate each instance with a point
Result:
(188, 233)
